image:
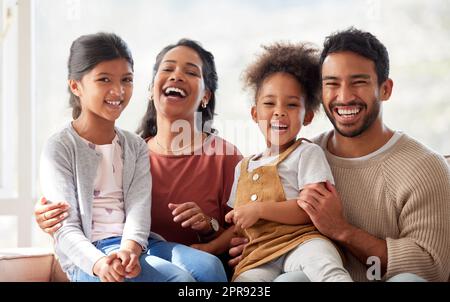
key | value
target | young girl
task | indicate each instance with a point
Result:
(286, 81)
(191, 178)
(104, 174)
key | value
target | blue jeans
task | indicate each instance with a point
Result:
(299, 276)
(163, 262)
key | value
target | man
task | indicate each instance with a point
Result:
(390, 210)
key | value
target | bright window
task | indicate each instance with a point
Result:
(8, 59)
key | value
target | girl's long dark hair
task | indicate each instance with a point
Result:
(148, 127)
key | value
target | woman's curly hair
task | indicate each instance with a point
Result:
(301, 60)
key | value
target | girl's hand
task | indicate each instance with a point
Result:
(244, 216)
(189, 214)
(49, 215)
(130, 266)
(105, 268)
(133, 272)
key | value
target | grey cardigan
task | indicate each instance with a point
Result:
(67, 172)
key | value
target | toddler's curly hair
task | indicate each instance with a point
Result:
(301, 60)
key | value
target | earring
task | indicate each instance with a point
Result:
(204, 104)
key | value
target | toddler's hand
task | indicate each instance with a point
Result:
(245, 216)
(229, 217)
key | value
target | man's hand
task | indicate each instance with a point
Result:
(324, 207)
(206, 247)
(237, 247)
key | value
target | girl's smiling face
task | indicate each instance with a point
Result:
(105, 90)
(280, 110)
(179, 86)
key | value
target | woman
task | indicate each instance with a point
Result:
(192, 168)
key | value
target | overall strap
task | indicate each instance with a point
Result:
(244, 166)
(288, 151)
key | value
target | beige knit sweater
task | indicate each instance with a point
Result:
(401, 195)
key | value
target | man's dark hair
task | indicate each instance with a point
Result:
(362, 43)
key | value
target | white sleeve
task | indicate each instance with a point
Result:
(237, 174)
(313, 167)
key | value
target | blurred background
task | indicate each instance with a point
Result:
(35, 37)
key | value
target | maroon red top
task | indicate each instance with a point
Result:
(205, 178)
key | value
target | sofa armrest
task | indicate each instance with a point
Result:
(29, 265)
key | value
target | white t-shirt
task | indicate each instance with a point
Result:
(307, 164)
(108, 213)
(392, 141)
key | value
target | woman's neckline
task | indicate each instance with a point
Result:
(206, 140)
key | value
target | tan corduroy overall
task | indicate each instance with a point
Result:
(268, 240)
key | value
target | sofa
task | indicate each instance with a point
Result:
(30, 265)
(37, 264)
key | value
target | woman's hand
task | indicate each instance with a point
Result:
(49, 215)
(189, 214)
